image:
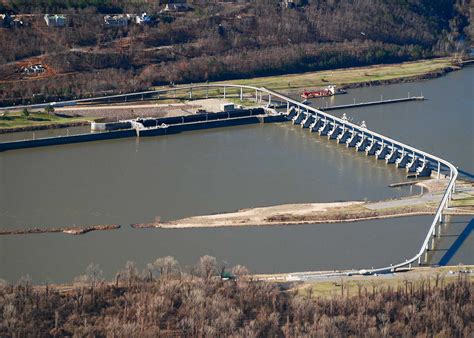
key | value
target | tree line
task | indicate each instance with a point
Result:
(223, 41)
(166, 300)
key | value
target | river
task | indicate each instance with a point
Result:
(129, 180)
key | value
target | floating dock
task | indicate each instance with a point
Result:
(373, 103)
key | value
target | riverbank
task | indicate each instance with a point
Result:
(68, 230)
(321, 284)
(357, 76)
(350, 211)
(292, 84)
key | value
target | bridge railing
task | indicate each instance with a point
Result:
(402, 146)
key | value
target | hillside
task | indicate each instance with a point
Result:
(212, 42)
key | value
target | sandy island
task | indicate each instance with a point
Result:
(351, 211)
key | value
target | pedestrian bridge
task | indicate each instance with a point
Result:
(342, 131)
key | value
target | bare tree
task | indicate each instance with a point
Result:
(207, 266)
(166, 266)
(240, 271)
(94, 274)
(131, 272)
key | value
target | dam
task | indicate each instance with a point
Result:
(338, 152)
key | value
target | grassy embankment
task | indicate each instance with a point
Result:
(376, 74)
(351, 76)
(17, 120)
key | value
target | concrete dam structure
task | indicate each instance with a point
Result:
(340, 130)
(142, 127)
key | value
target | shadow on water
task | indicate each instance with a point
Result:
(457, 244)
(466, 175)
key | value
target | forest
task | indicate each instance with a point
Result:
(166, 300)
(214, 41)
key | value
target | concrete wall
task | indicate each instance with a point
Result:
(194, 122)
(202, 117)
(50, 141)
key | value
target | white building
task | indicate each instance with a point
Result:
(144, 19)
(55, 20)
(177, 6)
(117, 20)
(34, 69)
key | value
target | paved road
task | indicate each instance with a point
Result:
(415, 200)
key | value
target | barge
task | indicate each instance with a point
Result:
(328, 91)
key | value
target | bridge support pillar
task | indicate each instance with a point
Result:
(426, 256)
(191, 94)
(241, 93)
(439, 167)
(224, 92)
(269, 99)
(432, 243)
(256, 96)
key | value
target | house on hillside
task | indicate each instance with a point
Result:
(177, 6)
(10, 21)
(117, 20)
(293, 3)
(5, 20)
(56, 20)
(17, 23)
(145, 19)
(34, 69)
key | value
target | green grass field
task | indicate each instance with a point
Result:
(339, 77)
(10, 120)
(348, 75)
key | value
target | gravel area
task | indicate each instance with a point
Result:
(119, 112)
